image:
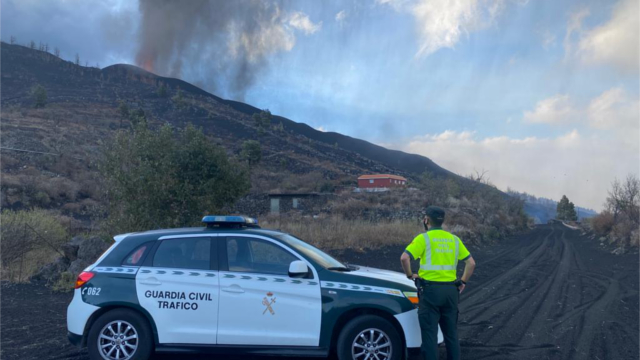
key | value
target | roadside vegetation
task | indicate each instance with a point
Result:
(619, 223)
(337, 233)
(30, 239)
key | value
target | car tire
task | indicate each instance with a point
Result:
(353, 346)
(124, 324)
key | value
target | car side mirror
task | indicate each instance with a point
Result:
(298, 269)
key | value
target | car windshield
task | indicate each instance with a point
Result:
(323, 259)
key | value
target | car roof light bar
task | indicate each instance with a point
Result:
(230, 221)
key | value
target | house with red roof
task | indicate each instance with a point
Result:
(381, 181)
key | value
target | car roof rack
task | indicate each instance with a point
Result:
(218, 221)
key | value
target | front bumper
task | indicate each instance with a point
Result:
(411, 328)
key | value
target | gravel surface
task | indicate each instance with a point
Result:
(549, 294)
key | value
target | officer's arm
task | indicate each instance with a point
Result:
(469, 266)
(405, 260)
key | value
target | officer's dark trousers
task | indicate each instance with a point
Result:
(439, 305)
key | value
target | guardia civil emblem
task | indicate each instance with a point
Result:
(268, 302)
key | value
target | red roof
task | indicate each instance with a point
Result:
(381, 176)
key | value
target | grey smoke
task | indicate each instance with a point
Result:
(223, 44)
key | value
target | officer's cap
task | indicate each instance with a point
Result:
(435, 213)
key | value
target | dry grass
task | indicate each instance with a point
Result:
(30, 239)
(336, 233)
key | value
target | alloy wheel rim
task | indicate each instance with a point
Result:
(118, 340)
(371, 344)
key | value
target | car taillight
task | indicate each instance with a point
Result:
(83, 278)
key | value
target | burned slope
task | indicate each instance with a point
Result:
(71, 86)
(82, 111)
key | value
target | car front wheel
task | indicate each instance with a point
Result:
(369, 337)
(120, 334)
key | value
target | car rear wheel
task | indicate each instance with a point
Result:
(120, 334)
(369, 337)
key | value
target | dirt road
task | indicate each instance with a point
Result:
(550, 294)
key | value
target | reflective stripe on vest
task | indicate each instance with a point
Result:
(427, 259)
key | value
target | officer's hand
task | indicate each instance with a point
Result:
(461, 288)
(414, 276)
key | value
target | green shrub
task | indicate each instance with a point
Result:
(42, 198)
(39, 96)
(167, 178)
(65, 283)
(162, 90)
(178, 100)
(262, 119)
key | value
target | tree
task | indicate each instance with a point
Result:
(12, 40)
(56, 52)
(566, 210)
(123, 110)
(167, 178)
(280, 127)
(624, 199)
(32, 45)
(77, 59)
(251, 152)
(162, 90)
(178, 100)
(39, 96)
(262, 119)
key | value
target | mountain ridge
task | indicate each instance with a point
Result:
(406, 162)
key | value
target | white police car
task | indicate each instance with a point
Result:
(233, 287)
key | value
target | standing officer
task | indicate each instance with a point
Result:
(439, 252)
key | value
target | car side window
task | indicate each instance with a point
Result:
(257, 256)
(185, 253)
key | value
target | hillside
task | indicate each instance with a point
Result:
(95, 93)
(49, 153)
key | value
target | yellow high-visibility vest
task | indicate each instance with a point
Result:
(439, 252)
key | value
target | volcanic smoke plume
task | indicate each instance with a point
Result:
(219, 44)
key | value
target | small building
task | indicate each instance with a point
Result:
(283, 203)
(381, 181)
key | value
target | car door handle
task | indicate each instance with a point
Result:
(150, 281)
(233, 289)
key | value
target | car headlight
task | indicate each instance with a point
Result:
(412, 296)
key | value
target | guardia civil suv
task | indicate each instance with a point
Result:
(231, 286)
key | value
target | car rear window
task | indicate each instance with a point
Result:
(137, 255)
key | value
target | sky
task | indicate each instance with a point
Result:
(541, 95)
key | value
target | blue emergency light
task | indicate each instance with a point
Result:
(229, 221)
